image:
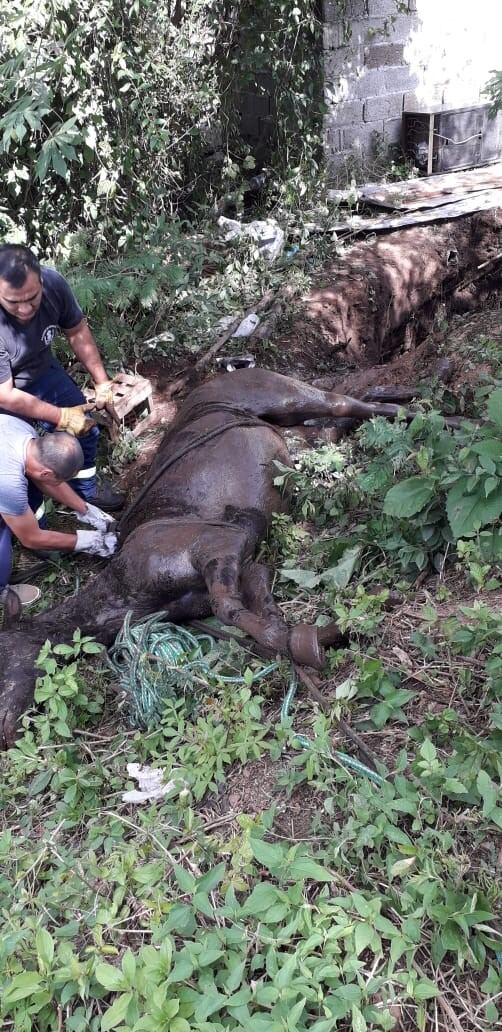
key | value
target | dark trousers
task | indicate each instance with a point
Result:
(56, 387)
(35, 499)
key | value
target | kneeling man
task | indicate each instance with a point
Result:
(30, 467)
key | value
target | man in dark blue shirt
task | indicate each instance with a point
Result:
(36, 303)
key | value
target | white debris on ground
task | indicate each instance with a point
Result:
(267, 234)
(151, 784)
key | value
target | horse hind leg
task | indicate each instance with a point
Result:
(222, 575)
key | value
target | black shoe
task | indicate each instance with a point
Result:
(106, 498)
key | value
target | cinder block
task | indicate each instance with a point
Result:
(381, 8)
(357, 8)
(332, 140)
(351, 9)
(345, 113)
(367, 30)
(361, 138)
(379, 54)
(370, 83)
(383, 107)
(341, 167)
(402, 27)
(398, 79)
(345, 61)
(393, 130)
(422, 102)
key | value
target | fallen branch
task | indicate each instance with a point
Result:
(312, 684)
(188, 376)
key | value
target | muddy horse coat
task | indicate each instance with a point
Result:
(188, 541)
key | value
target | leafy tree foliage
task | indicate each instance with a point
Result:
(110, 110)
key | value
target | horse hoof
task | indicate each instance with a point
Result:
(304, 646)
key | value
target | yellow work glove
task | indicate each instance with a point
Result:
(104, 400)
(75, 420)
(103, 394)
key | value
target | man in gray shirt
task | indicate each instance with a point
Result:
(31, 466)
(36, 303)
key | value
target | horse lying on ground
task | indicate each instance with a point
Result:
(188, 540)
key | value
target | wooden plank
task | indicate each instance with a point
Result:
(355, 225)
(425, 192)
(433, 190)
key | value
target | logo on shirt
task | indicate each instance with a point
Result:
(48, 335)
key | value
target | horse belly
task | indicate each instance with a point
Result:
(235, 470)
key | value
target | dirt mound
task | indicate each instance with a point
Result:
(382, 294)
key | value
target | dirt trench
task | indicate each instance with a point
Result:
(383, 294)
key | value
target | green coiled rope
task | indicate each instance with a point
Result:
(155, 660)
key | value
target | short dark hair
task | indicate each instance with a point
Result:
(60, 452)
(16, 261)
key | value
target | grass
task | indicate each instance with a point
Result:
(275, 889)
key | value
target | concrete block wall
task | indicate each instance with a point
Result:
(382, 57)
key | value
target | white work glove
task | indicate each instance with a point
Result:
(94, 542)
(96, 518)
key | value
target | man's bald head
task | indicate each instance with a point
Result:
(59, 452)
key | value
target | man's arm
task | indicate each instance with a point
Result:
(62, 493)
(85, 348)
(26, 529)
(20, 403)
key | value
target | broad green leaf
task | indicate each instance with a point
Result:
(211, 879)
(358, 1020)
(494, 406)
(45, 946)
(402, 866)
(110, 977)
(116, 1013)
(40, 782)
(468, 512)
(409, 496)
(304, 578)
(304, 867)
(428, 751)
(488, 791)
(27, 983)
(285, 973)
(363, 936)
(266, 853)
(149, 874)
(425, 989)
(209, 1003)
(263, 896)
(185, 879)
(339, 576)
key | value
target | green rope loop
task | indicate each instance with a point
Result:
(155, 660)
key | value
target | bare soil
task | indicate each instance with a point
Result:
(382, 294)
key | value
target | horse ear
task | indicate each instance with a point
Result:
(11, 610)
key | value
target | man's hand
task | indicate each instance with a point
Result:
(95, 542)
(95, 517)
(104, 394)
(75, 420)
(104, 400)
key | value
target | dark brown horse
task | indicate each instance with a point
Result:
(188, 541)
